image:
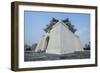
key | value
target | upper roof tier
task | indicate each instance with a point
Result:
(65, 21)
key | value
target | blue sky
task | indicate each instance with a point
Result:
(36, 21)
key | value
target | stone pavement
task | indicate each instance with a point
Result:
(34, 56)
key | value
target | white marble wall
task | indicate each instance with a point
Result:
(78, 44)
(61, 40)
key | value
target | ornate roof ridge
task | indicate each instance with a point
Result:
(65, 21)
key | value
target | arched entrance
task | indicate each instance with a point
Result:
(46, 43)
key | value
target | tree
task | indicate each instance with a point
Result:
(34, 46)
(87, 46)
(27, 47)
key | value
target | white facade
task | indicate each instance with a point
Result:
(60, 40)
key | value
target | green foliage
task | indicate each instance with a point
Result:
(87, 46)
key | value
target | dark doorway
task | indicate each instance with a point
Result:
(46, 43)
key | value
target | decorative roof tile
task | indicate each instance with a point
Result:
(65, 21)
